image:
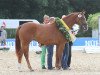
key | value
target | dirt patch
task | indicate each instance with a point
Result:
(82, 64)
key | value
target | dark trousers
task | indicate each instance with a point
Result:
(49, 56)
(70, 54)
(66, 57)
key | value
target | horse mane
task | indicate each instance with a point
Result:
(73, 13)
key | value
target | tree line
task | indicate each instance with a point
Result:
(29, 9)
(36, 9)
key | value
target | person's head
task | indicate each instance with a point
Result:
(75, 29)
(63, 16)
(46, 19)
(52, 19)
(2, 27)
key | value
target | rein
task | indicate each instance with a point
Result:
(63, 27)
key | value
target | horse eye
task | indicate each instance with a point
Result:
(82, 18)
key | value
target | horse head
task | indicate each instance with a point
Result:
(81, 20)
(76, 18)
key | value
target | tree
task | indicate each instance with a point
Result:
(90, 6)
(36, 9)
(93, 23)
(93, 20)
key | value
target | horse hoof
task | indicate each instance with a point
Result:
(31, 70)
(58, 68)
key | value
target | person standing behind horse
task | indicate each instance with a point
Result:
(3, 36)
(49, 49)
(66, 58)
(67, 53)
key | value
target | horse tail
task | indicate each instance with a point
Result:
(17, 42)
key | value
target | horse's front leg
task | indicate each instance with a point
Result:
(59, 51)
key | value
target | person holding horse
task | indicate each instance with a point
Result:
(66, 57)
(49, 49)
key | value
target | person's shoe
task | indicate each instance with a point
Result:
(38, 52)
(51, 68)
(69, 68)
(65, 68)
(43, 67)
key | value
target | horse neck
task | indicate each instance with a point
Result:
(70, 20)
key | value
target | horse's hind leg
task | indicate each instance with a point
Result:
(19, 55)
(26, 54)
(59, 52)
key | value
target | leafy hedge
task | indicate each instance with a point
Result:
(93, 20)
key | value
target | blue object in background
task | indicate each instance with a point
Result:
(79, 42)
(11, 42)
(86, 42)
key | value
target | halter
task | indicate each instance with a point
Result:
(79, 17)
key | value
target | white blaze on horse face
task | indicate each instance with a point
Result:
(79, 15)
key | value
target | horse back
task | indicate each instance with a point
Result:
(43, 33)
(28, 30)
(49, 34)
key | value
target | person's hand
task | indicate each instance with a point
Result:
(40, 44)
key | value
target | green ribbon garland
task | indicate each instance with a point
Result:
(62, 29)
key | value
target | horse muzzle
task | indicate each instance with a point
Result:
(85, 27)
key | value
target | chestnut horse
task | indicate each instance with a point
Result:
(45, 34)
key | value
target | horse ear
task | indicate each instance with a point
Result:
(83, 12)
(79, 15)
